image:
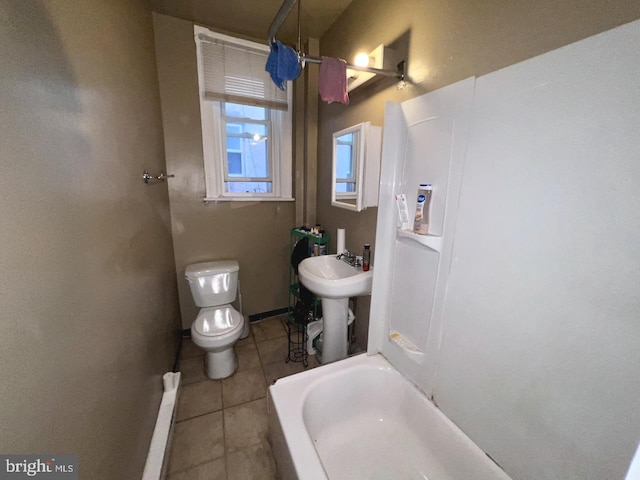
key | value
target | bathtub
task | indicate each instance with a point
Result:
(360, 419)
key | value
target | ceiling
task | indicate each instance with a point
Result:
(252, 18)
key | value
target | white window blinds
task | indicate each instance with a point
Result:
(235, 73)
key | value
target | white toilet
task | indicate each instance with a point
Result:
(218, 326)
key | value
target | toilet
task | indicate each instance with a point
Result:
(218, 326)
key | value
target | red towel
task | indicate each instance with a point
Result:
(332, 80)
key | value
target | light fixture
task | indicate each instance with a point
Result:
(373, 59)
(362, 59)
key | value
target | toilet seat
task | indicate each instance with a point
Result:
(217, 321)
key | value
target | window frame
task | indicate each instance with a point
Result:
(213, 121)
(267, 123)
(355, 146)
(227, 174)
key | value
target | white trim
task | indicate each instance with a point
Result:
(226, 121)
(285, 153)
(198, 30)
(281, 149)
(247, 199)
(359, 152)
(157, 457)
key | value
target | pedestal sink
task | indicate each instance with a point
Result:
(334, 281)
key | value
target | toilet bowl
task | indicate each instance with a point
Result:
(216, 330)
(218, 326)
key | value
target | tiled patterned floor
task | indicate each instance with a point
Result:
(221, 428)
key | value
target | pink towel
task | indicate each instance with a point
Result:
(332, 80)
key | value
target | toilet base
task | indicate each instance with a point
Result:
(222, 364)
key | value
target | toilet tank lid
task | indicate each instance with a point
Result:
(211, 268)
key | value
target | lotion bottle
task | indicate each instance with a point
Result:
(421, 221)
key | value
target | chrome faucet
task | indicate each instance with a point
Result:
(350, 258)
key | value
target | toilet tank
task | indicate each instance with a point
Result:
(213, 283)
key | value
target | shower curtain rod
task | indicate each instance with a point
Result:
(399, 73)
(278, 20)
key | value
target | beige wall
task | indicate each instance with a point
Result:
(88, 302)
(255, 234)
(447, 42)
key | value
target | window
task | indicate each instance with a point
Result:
(346, 167)
(246, 121)
(247, 165)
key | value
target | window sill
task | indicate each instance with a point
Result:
(247, 199)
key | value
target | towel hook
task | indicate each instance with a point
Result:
(146, 176)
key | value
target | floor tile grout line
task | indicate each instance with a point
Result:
(244, 403)
(264, 374)
(246, 370)
(225, 408)
(222, 410)
(198, 416)
(263, 365)
(203, 381)
(260, 356)
(191, 467)
(284, 330)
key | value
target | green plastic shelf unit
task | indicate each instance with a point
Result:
(324, 240)
(296, 332)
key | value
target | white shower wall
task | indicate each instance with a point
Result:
(536, 351)
(424, 142)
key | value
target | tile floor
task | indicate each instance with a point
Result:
(221, 425)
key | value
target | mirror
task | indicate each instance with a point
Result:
(356, 167)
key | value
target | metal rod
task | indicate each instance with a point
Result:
(299, 29)
(279, 19)
(281, 16)
(399, 73)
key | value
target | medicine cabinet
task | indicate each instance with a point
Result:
(356, 167)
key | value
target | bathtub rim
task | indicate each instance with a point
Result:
(289, 394)
(288, 397)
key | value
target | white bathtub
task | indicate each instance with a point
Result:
(360, 419)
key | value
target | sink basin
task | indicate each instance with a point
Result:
(328, 277)
(334, 281)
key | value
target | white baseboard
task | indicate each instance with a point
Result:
(156, 465)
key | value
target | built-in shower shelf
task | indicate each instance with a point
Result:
(430, 241)
(408, 348)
